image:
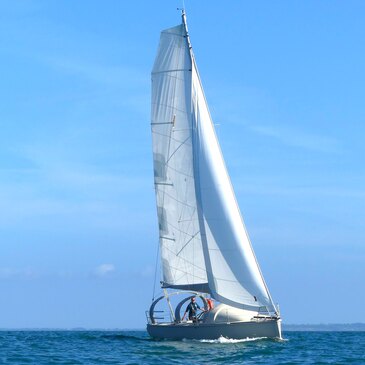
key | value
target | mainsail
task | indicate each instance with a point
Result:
(182, 257)
(203, 240)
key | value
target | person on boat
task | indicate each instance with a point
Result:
(192, 308)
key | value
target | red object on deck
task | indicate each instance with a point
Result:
(210, 304)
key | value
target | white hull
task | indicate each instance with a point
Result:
(270, 328)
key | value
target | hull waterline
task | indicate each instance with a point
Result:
(237, 330)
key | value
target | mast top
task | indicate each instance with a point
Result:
(183, 17)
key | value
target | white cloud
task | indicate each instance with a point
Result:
(299, 139)
(104, 270)
(148, 271)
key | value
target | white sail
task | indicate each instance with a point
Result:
(202, 236)
(233, 273)
(182, 258)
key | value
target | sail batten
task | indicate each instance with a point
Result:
(168, 71)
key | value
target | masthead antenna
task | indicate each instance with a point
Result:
(183, 6)
(182, 10)
(183, 14)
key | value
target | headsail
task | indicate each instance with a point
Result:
(233, 273)
(202, 236)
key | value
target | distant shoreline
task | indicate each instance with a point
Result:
(350, 327)
(335, 327)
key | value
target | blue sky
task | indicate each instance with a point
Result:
(78, 231)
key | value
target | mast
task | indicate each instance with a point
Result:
(183, 16)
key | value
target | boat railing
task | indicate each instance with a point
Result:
(162, 316)
(148, 319)
(264, 312)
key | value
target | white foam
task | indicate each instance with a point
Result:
(232, 340)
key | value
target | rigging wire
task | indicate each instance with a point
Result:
(156, 264)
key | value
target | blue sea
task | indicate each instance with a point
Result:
(135, 347)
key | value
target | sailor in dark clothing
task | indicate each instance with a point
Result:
(192, 308)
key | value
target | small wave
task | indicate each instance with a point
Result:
(231, 340)
(123, 337)
(282, 339)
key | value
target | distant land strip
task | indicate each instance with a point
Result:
(325, 327)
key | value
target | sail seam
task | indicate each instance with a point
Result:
(185, 272)
(171, 33)
(173, 198)
(179, 172)
(173, 153)
(192, 237)
(180, 230)
(174, 70)
(170, 107)
(165, 135)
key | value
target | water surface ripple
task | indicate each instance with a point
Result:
(135, 347)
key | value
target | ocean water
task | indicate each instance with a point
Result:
(135, 347)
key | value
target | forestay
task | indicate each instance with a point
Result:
(204, 244)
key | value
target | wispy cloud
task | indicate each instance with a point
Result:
(9, 273)
(300, 139)
(101, 73)
(311, 191)
(104, 270)
(148, 271)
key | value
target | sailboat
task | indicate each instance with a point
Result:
(204, 248)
